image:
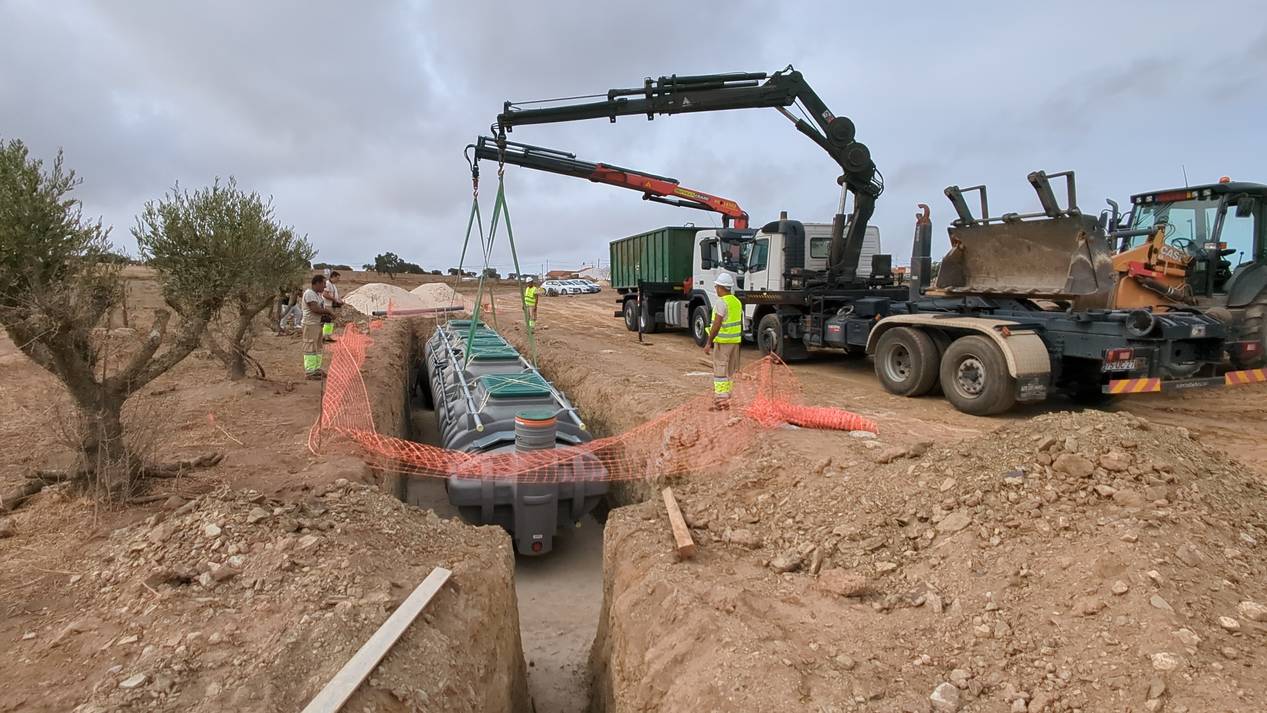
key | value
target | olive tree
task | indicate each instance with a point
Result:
(228, 241)
(56, 285)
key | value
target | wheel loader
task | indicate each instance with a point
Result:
(1202, 247)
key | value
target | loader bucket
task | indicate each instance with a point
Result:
(1052, 258)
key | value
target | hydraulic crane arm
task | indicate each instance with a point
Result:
(722, 92)
(660, 189)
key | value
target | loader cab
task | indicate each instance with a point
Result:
(1219, 226)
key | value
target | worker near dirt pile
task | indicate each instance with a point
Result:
(291, 312)
(531, 293)
(314, 308)
(723, 340)
(331, 294)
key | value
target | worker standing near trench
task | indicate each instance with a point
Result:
(314, 308)
(531, 293)
(332, 294)
(723, 340)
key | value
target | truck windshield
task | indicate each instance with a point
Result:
(758, 254)
(734, 254)
(1190, 226)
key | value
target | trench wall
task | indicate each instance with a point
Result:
(486, 607)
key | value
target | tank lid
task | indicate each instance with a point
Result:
(542, 415)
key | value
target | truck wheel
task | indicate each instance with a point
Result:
(771, 340)
(649, 325)
(974, 377)
(1254, 329)
(631, 315)
(700, 324)
(906, 361)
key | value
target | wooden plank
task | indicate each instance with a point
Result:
(349, 678)
(681, 534)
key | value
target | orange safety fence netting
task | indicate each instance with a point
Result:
(687, 439)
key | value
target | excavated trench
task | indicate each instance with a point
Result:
(558, 596)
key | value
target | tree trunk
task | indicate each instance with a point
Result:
(104, 448)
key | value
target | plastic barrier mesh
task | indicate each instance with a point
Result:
(688, 439)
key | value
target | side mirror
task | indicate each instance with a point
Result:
(1244, 207)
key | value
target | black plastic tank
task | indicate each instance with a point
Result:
(489, 399)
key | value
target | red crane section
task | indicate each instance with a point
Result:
(660, 189)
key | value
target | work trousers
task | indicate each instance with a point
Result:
(725, 364)
(312, 348)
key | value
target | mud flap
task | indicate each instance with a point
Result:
(536, 508)
(1031, 388)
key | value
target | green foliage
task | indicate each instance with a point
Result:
(332, 266)
(221, 246)
(219, 243)
(391, 264)
(53, 266)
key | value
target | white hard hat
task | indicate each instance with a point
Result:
(527, 278)
(726, 280)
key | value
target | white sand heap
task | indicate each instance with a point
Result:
(438, 295)
(376, 297)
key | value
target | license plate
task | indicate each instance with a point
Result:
(1125, 365)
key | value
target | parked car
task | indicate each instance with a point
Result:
(554, 288)
(586, 286)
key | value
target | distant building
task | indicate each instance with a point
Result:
(561, 275)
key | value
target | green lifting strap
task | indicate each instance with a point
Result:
(473, 220)
(501, 213)
(514, 255)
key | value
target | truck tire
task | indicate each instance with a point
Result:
(1254, 329)
(649, 325)
(630, 310)
(974, 377)
(700, 324)
(771, 340)
(906, 361)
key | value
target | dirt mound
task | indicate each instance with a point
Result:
(437, 295)
(377, 297)
(239, 602)
(1076, 561)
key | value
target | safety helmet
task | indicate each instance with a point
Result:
(726, 280)
(528, 278)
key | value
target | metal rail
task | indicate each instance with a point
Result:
(470, 401)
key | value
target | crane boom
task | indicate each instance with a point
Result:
(722, 92)
(660, 189)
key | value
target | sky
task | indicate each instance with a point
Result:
(354, 116)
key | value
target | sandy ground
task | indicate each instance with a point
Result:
(261, 426)
(111, 607)
(729, 632)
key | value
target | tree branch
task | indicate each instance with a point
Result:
(190, 335)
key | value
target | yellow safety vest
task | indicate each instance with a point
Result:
(530, 296)
(731, 331)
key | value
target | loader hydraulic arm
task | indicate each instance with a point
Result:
(722, 92)
(660, 189)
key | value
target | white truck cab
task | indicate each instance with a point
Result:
(759, 261)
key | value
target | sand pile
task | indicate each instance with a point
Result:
(377, 296)
(438, 295)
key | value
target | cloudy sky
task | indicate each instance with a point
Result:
(353, 116)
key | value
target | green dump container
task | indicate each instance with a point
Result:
(656, 257)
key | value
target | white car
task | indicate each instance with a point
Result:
(555, 288)
(585, 286)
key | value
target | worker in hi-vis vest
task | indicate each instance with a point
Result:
(531, 292)
(723, 340)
